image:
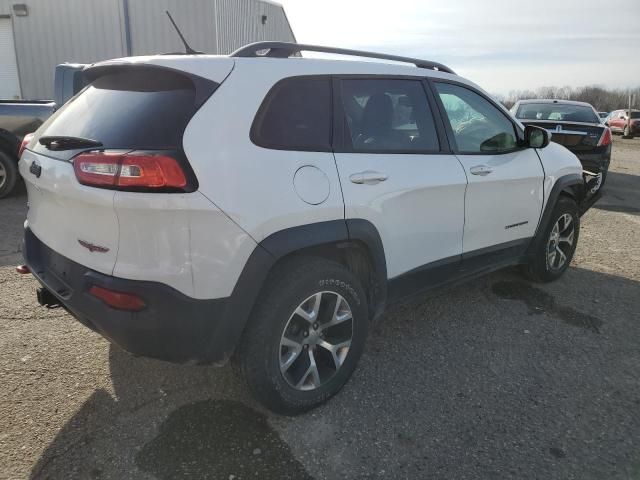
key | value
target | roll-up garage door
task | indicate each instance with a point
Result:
(9, 83)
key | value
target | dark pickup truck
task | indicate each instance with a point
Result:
(21, 117)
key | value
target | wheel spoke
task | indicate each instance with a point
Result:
(312, 314)
(293, 352)
(566, 222)
(311, 374)
(339, 314)
(563, 257)
(567, 239)
(551, 257)
(338, 351)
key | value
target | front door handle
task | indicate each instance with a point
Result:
(482, 170)
(368, 177)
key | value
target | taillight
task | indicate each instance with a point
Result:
(118, 300)
(605, 139)
(130, 171)
(25, 141)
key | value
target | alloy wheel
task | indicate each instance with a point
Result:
(316, 340)
(560, 242)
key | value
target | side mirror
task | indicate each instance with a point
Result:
(536, 137)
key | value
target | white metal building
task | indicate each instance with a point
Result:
(37, 35)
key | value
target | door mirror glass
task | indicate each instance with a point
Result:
(536, 137)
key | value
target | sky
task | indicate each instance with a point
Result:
(502, 45)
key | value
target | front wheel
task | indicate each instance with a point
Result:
(557, 244)
(305, 336)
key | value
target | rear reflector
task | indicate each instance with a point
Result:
(130, 171)
(118, 300)
(605, 139)
(25, 141)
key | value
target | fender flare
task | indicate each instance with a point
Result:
(562, 184)
(290, 240)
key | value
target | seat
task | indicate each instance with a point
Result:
(375, 126)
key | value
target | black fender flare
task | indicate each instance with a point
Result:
(564, 184)
(340, 232)
(291, 240)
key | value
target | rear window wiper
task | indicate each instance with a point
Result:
(58, 143)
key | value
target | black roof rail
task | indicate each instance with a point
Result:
(287, 49)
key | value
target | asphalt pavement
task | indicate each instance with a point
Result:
(497, 378)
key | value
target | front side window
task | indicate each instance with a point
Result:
(387, 115)
(478, 126)
(296, 115)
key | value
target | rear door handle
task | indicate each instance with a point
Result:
(368, 177)
(482, 170)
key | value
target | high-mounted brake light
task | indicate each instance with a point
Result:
(129, 171)
(25, 141)
(605, 139)
(118, 300)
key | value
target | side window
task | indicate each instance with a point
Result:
(478, 126)
(295, 115)
(388, 115)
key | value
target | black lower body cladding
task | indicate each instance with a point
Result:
(171, 327)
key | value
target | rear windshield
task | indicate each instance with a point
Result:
(557, 111)
(143, 108)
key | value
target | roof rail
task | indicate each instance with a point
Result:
(286, 49)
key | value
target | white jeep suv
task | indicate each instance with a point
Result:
(268, 207)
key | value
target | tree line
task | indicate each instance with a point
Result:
(603, 99)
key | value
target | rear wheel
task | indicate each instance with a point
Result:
(8, 174)
(557, 244)
(305, 336)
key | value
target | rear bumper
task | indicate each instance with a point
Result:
(171, 327)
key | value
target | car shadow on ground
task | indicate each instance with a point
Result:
(495, 378)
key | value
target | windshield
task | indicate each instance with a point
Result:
(557, 111)
(635, 114)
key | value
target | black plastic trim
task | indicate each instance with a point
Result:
(563, 184)
(287, 49)
(337, 232)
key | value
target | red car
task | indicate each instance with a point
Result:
(617, 121)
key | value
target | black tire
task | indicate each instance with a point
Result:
(260, 351)
(8, 174)
(539, 268)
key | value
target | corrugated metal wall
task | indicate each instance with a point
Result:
(233, 34)
(61, 31)
(84, 31)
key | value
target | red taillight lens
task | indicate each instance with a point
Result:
(136, 170)
(118, 300)
(25, 141)
(605, 139)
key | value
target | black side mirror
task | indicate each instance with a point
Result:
(536, 137)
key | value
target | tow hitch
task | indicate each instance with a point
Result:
(47, 299)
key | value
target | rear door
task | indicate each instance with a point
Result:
(396, 172)
(505, 192)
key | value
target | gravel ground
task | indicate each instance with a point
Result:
(499, 378)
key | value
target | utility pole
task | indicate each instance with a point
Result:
(628, 129)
